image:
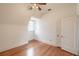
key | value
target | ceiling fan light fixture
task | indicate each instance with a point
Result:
(49, 9)
(33, 7)
(35, 4)
(37, 7)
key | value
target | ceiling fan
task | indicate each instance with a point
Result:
(37, 6)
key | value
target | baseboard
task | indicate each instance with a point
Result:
(78, 52)
(70, 52)
(73, 53)
(47, 42)
(57, 47)
(12, 51)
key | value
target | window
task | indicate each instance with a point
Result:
(31, 25)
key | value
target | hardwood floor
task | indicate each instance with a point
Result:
(36, 48)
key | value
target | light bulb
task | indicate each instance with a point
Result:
(34, 4)
(37, 7)
(33, 7)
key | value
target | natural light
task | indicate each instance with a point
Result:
(32, 25)
(30, 52)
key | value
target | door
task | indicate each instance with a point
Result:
(78, 35)
(67, 34)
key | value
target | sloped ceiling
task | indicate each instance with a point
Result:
(19, 13)
(16, 13)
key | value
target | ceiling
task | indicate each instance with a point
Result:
(19, 14)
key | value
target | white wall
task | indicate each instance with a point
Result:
(50, 25)
(47, 29)
(11, 36)
(13, 26)
(77, 8)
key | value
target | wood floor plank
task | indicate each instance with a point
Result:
(36, 48)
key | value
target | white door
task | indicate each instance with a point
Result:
(78, 35)
(67, 30)
(58, 32)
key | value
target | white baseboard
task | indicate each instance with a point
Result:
(23, 43)
(47, 42)
(70, 50)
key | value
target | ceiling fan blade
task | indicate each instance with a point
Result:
(30, 8)
(39, 8)
(41, 3)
